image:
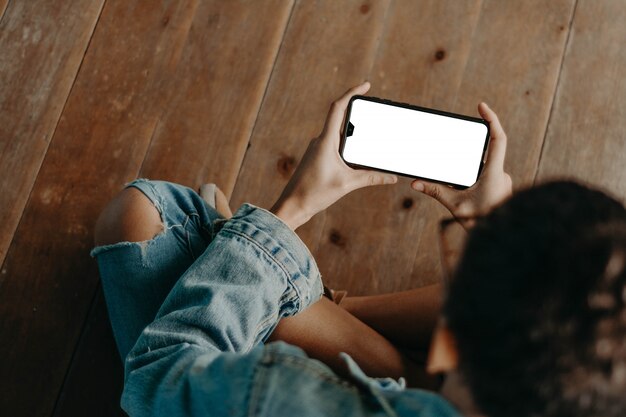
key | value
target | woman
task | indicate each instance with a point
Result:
(194, 293)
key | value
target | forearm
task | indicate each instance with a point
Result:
(291, 211)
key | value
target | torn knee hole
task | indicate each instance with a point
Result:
(129, 217)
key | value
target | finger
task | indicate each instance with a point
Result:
(497, 145)
(442, 193)
(337, 111)
(366, 178)
(357, 89)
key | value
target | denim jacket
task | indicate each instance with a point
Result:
(204, 354)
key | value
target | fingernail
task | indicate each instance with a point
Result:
(418, 186)
(391, 180)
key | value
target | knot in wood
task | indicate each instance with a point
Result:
(336, 238)
(286, 165)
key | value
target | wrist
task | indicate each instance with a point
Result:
(291, 211)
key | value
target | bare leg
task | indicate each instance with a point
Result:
(406, 318)
(129, 217)
(325, 329)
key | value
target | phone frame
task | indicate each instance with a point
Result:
(344, 132)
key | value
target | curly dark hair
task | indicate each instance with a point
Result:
(537, 305)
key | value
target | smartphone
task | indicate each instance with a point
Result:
(414, 141)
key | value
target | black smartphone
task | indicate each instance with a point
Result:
(414, 141)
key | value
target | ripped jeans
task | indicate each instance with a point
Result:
(137, 276)
(192, 308)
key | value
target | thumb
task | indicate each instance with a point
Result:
(439, 192)
(368, 178)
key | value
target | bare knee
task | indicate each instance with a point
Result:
(129, 217)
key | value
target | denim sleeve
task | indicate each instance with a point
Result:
(197, 356)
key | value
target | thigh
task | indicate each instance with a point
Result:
(324, 330)
(137, 276)
(407, 318)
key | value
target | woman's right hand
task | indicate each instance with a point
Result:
(493, 186)
(322, 177)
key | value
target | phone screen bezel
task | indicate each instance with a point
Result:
(344, 132)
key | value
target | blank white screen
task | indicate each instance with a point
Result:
(415, 143)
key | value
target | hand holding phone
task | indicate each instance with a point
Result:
(445, 151)
(321, 177)
(493, 186)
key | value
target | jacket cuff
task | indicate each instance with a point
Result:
(282, 245)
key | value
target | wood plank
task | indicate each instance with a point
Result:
(385, 239)
(517, 75)
(38, 65)
(3, 7)
(585, 137)
(321, 57)
(102, 137)
(96, 375)
(202, 135)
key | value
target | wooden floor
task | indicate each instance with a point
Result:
(95, 93)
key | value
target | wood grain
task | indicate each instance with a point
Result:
(202, 133)
(321, 57)
(96, 376)
(3, 7)
(385, 239)
(38, 65)
(516, 72)
(585, 138)
(102, 136)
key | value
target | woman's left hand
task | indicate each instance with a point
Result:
(322, 177)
